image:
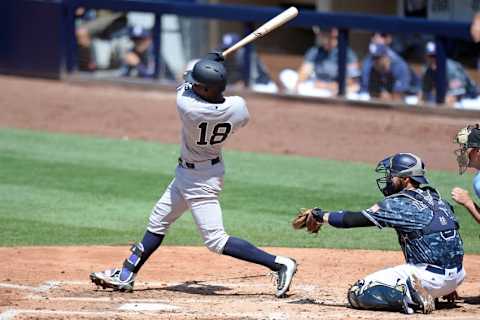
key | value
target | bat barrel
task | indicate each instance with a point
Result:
(265, 28)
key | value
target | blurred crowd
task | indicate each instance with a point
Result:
(116, 42)
(382, 74)
(110, 41)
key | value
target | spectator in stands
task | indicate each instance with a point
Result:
(459, 84)
(140, 60)
(96, 24)
(260, 79)
(234, 64)
(86, 59)
(367, 64)
(390, 77)
(318, 74)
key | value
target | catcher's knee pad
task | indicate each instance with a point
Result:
(377, 296)
(132, 261)
(215, 240)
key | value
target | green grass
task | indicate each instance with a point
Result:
(64, 189)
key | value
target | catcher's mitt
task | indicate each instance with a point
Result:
(308, 218)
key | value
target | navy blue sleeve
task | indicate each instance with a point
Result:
(348, 219)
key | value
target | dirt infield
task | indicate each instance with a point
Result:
(179, 282)
(172, 287)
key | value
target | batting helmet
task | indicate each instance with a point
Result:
(400, 165)
(209, 73)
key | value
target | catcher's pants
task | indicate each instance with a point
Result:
(439, 283)
(198, 190)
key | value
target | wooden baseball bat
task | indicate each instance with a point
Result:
(265, 28)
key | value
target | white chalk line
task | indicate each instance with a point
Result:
(12, 313)
(52, 284)
(97, 299)
(8, 315)
(122, 300)
(46, 286)
(161, 307)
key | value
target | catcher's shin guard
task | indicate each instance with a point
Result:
(376, 296)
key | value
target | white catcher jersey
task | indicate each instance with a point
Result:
(205, 125)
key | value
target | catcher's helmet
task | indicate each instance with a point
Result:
(209, 73)
(400, 165)
(468, 137)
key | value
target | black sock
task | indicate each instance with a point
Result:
(243, 250)
(151, 241)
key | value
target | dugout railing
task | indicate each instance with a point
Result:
(249, 15)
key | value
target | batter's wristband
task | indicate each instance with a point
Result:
(318, 213)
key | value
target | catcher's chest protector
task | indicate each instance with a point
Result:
(443, 220)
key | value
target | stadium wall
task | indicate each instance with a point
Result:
(32, 39)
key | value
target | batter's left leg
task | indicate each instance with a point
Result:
(208, 217)
(168, 209)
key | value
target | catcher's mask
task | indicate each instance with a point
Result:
(468, 137)
(399, 165)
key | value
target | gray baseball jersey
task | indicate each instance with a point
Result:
(205, 125)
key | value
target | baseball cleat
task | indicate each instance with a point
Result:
(111, 279)
(284, 275)
(420, 295)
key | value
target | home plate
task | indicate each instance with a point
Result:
(147, 307)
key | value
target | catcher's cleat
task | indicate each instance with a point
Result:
(451, 297)
(111, 279)
(284, 275)
(420, 295)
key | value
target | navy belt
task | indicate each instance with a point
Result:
(438, 270)
(191, 165)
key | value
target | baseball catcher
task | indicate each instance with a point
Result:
(427, 232)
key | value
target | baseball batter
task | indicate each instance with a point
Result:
(208, 120)
(468, 156)
(427, 232)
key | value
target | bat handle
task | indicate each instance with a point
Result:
(228, 52)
